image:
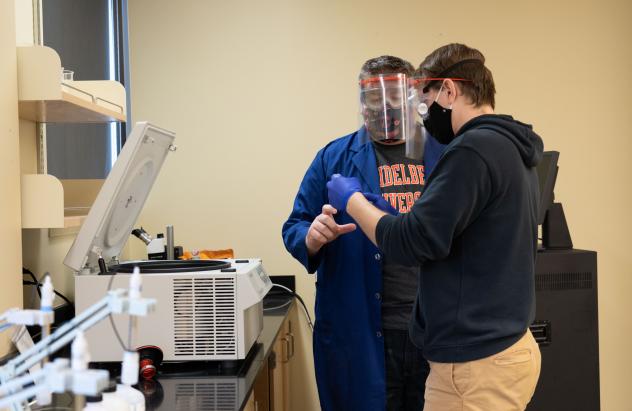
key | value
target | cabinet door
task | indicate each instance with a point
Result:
(262, 389)
(301, 385)
(279, 371)
(289, 356)
(250, 405)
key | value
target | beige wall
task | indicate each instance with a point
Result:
(24, 22)
(254, 88)
(10, 220)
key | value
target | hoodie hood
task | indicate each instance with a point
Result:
(528, 143)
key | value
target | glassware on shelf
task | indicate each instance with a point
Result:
(67, 75)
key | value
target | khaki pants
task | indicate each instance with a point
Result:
(502, 382)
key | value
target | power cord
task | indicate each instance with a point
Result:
(300, 299)
(30, 273)
(276, 307)
(118, 336)
(60, 295)
(39, 284)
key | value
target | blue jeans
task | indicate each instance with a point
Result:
(406, 372)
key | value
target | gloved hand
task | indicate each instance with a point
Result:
(379, 202)
(340, 189)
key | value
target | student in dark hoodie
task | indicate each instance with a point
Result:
(474, 232)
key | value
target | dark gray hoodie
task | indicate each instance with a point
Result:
(474, 231)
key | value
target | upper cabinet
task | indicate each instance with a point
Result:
(45, 98)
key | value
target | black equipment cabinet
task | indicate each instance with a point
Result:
(566, 328)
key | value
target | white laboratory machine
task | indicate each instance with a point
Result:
(206, 309)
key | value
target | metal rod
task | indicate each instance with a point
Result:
(120, 107)
(170, 243)
(92, 97)
(42, 155)
(45, 334)
(38, 32)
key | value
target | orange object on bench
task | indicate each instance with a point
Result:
(208, 254)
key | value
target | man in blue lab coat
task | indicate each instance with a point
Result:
(363, 356)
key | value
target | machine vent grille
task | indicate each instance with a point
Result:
(206, 396)
(564, 281)
(204, 316)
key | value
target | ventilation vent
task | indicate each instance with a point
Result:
(204, 316)
(563, 281)
(206, 396)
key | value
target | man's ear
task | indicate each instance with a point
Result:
(451, 89)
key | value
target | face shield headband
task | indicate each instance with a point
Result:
(444, 75)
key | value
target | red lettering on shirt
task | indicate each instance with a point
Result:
(409, 201)
(396, 178)
(410, 177)
(421, 172)
(388, 177)
(392, 198)
(401, 200)
(405, 178)
(414, 177)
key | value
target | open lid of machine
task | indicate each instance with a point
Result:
(122, 197)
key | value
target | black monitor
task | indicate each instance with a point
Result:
(547, 174)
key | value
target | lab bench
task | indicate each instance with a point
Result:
(259, 382)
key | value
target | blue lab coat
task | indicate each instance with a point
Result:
(348, 341)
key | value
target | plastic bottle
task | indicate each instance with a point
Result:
(111, 401)
(134, 399)
(79, 353)
(95, 403)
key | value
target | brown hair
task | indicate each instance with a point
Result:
(385, 65)
(460, 61)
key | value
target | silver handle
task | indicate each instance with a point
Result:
(286, 350)
(291, 345)
(120, 107)
(93, 98)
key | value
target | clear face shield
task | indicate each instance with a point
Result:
(388, 105)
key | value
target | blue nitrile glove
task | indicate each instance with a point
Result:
(379, 202)
(340, 189)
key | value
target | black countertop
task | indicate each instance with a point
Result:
(209, 386)
(218, 385)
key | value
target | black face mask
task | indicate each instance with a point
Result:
(378, 124)
(438, 122)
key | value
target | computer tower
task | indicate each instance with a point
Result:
(566, 328)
